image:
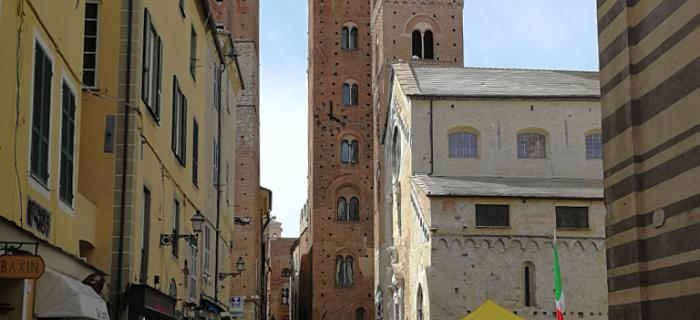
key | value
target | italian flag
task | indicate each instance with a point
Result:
(558, 291)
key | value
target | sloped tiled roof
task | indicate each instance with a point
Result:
(568, 188)
(451, 81)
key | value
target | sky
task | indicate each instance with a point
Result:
(540, 34)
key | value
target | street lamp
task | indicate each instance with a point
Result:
(240, 266)
(242, 221)
(197, 222)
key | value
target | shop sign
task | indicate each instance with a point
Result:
(236, 306)
(21, 266)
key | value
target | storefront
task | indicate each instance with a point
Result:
(147, 303)
(39, 280)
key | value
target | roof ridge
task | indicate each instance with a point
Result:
(447, 66)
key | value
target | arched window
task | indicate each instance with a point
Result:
(360, 313)
(354, 209)
(379, 304)
(396, 151)
(428, 44)
(286, 273)
(348, 210)
(349, 151)
(349, 38)
(343, 271)
(342, 214)
(417, 45)
(355, 151)
(348, 271)
(462, 145)
(529, 284)
(532, 145)
(422, 44)
(345, 38)
(353, 38)
(172, 291)
(350, 95)
(419, 303)
(594, 146)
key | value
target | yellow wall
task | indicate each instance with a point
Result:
(58, 28)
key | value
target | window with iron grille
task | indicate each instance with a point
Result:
(594, 146)
(572, 217)
(532, 145)
(65, 185)
(90, 44)
(462, 145)
(41, 115)
(152, 67)
(492, 215)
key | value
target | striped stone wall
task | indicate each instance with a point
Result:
(649, 76)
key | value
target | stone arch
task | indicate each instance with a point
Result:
(422, 22)
(443, 243)
(517, 244)
(532, 244)
(578, 245)
(500, 245)
(455, 243)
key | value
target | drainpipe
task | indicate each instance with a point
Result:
(218, 185)
(432, 153)
(262, 283)
(125, 152)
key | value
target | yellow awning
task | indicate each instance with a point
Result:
(489, 310)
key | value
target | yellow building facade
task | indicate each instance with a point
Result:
(42, 209)
(115, 134)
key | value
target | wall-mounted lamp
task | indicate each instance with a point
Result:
(197, 222)
(242, 221)
(240, 266)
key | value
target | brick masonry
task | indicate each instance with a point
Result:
(330, 67)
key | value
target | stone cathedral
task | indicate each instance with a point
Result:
(434, 187)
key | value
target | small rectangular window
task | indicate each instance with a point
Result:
(65, 188)
(179, 124)
(90, 44)
(491, 215)
(41, 115)
(176, 226)
(572, 217)
(195, 153)
(594, 146)
(193, 53)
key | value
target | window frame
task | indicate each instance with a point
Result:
(594, 152)
(560, 211)
(523, 138)
(42, 174)
(151, 67)
(468, 151)
(484, 206)
(97, 44)
(193, 53)
(195, 153)
(67, 197)
(176, 228)
(179, 124)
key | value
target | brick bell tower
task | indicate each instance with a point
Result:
(340, 161)
(426, 32)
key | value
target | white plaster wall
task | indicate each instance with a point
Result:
(498, 123)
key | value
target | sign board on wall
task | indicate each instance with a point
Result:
(21, 266)
(236, 306)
